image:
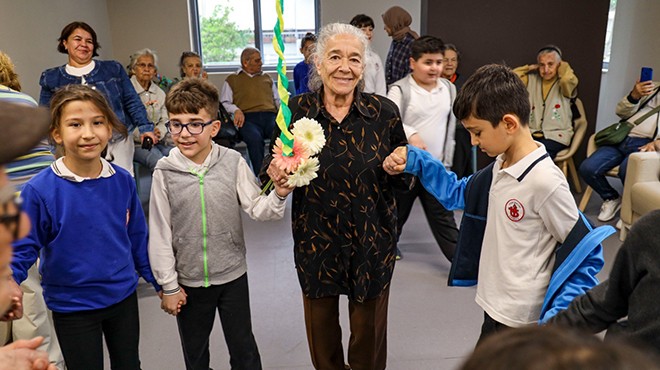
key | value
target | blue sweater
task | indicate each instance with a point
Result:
(91, 236)
(301, 77)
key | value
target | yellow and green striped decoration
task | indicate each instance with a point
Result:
(284, 113)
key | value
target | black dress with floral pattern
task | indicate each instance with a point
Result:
(344, 221)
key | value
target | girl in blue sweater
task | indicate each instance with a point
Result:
(90, 232)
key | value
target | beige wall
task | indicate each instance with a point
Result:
(161, 25)
(29, 30)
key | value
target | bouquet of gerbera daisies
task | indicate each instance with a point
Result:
(302, 163)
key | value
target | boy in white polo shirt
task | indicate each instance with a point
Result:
(425, 100)
(521, 232)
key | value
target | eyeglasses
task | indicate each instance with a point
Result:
(194, 128)
(11, 220)
(145, 65)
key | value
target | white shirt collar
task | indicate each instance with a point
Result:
(518, 168)
(241, 70)
(64, 172)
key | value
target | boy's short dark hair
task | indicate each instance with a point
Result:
(362, 20)
(191, 96)
(490, 93)
(309, 37)
(426, 45)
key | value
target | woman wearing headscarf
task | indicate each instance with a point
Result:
(397, 25)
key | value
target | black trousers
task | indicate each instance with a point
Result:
(81, 336)
(195, 321)
(441, 221)
(551, 146)
(462, 163)
(490, 327)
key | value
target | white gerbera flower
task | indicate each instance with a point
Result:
(310, 133)
(305, 173)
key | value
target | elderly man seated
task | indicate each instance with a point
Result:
(551, 84)
(252, 97)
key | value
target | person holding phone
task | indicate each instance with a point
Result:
(642, 138)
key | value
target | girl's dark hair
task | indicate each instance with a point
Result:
(184, 55)
(309, 37)
(362, 20)
(68, 30)
(490, 93)
(75, 92)
(426, 45)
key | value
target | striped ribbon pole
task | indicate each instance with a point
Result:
(284, 113)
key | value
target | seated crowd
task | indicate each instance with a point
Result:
(392, 132)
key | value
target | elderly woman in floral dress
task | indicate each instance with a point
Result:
(344, 221)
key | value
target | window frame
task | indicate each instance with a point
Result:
(195, 32)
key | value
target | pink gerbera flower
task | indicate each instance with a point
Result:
(289, 164)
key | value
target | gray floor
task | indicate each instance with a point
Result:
(431, 326)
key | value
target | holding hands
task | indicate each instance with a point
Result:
(15, 311)
(23, 355)
(395, 163)
(171, 303)
(280, 178)
(416, 140)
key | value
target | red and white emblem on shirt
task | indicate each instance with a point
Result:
(514, 210)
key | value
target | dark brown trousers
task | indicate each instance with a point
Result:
(367, 347)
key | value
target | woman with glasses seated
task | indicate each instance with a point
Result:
(142, 69)
(78, 41)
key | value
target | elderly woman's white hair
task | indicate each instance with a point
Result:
(142, 52)
(328, 32)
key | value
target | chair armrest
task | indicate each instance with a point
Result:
(642, 167)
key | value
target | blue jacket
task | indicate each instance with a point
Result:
(108, 77)
(577, 260)
(91, 237)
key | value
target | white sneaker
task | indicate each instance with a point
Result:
(609, 209)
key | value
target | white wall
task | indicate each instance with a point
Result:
(634, 45)
(29, 30)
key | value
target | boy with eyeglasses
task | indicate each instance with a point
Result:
(196, 243)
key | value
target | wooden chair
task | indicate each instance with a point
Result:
(614, 172)
(564, 159)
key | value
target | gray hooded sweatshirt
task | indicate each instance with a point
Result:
(195, 229)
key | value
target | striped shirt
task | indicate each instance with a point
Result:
(26, 166)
